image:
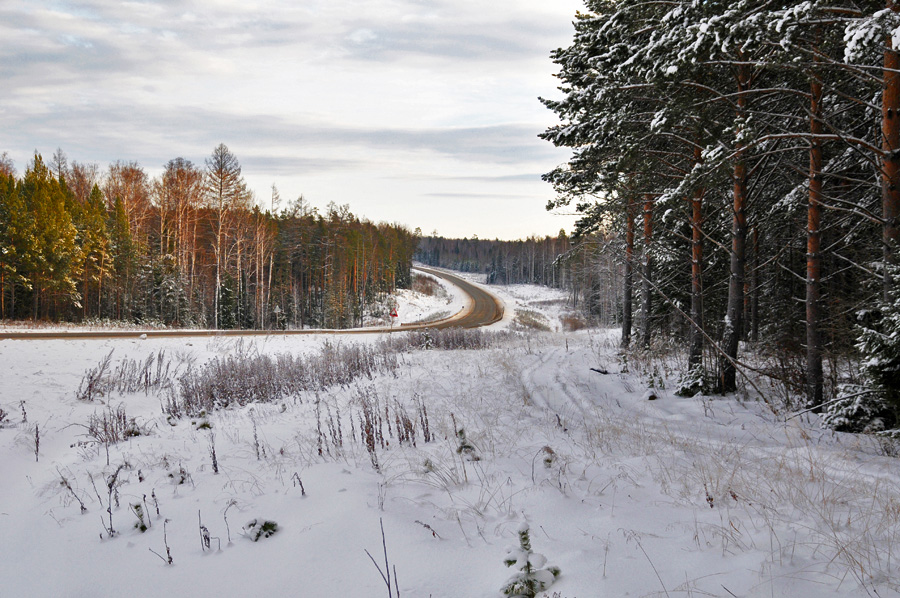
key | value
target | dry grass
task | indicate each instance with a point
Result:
(573, 321)
(428, 286)
(526, 319)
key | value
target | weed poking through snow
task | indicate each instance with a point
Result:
(386, 574)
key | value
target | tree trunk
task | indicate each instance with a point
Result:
(629, 274)
(695, 357)
(735, 308)
(754, 303)
(646, 291)
(890, 168)
(813, 251)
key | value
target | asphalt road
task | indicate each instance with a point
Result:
(483, 308)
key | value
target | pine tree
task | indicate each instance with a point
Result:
(124, 259)
(17, 245)
(95, 247)
(56, 260)
(532, 575)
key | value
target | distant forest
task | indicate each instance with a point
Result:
(532, 261)
(190, 248)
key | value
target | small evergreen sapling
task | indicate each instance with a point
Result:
(531, 576)
(874, 406)
(466, 448)
(138, 510)
(260, 528)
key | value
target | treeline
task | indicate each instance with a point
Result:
(189, 248)
(584, 267)
(531, 261)
(741, 162)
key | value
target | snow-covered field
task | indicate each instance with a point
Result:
(628, 497)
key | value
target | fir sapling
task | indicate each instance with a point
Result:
(138, 510)
(532, 575)
(260, 528)
(466, 448)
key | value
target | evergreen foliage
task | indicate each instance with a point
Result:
(186, 249)
(532, 575)
(731, 158)
(874, 406)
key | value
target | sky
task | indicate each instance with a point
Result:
(419, 112)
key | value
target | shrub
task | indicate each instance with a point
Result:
(876, 406)
(428, 286)
(260, 528)
(532, 575)
(572, 322)
(527, 319)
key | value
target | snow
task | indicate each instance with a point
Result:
(416, 307)
(711, 496)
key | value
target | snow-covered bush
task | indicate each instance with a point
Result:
(466, 448)
(692, 382)
(260, 528)
(141, 523)
(876, 406)
(532, 576)
(857, 409)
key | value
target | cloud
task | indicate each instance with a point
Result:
(396, 96)
(292, 166)
(475, 196)
(118, 128)
(516, 40)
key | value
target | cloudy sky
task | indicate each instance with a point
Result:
(422, 112)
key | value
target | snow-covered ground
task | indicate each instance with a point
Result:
(708, 496)
(414, 307)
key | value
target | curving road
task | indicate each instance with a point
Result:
(483, 308)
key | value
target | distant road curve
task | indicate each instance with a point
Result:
(483, 308)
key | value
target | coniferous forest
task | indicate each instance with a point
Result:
(587, 269)
(189, 248)
(530, 261)
(741, 161)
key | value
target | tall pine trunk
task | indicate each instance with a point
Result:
(646, 291)
(890, 167)
(813, 249)
(629, 274)
(735, 309)
(695, 357)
